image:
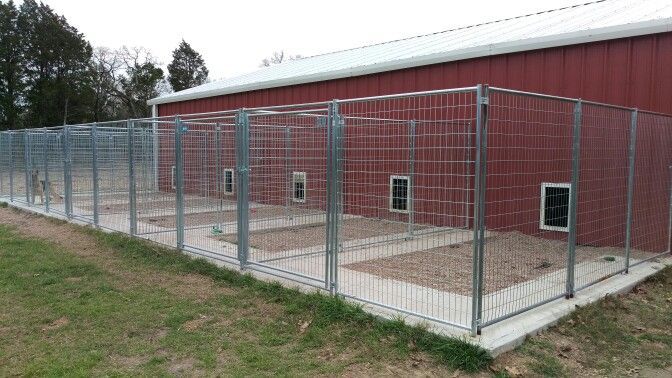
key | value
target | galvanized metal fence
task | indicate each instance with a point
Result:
(464, 206)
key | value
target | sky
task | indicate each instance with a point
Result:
(234, 36)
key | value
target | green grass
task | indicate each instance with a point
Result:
(72, 315)
(616, 336)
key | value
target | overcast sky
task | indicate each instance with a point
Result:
(234, 36)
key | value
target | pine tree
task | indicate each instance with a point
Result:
(57, 61)
(11, 67)
(187, 69)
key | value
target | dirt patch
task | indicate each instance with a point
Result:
(56, 324)
(183, 366)
(310, 235)
(510, 258)
(128, 362)
(194, 324)
(73, 239)
(214, 217)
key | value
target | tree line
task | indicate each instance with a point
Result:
(51, 75)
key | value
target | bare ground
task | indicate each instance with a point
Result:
(310, 235)
(511, 258)
(212, 217)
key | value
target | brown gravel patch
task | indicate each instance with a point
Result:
(211, 217)
(511, 258)
(310, 235)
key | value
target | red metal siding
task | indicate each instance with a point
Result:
(630, 72)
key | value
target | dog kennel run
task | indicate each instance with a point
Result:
(463, 206)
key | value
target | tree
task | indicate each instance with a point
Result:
(56, 62)
(142, 81)
(278, 57)
(11, 68)
(122, 80)
(187, 69)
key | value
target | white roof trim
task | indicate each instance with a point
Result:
(565, 39)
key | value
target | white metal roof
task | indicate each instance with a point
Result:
(595, 21)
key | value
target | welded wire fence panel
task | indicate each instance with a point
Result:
(602, 193)
(37, 172)
(4, 164)
(81, 172)
(155, 206)
(407, 176)
(19, 167)
(54, 169)
(210, 206)
(652, 194)
(288, 192)
(112, 166)
(527, 193)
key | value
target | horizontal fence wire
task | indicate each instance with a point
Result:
(462, 206)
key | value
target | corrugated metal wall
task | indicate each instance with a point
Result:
(630, 72)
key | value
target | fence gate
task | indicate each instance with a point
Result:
(288, 179)
(209, 194)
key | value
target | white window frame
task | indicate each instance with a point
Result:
(173, 184)
(542, 205)
(301, 176)
(233, 181)
(408, 193)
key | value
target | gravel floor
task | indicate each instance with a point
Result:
(510, 258)
(211, 217)
(310, 235)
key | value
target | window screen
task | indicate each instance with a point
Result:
(399, 193)
(228, 181)
(299, 186)
(555, 214)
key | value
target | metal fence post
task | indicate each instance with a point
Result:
(669, 222)
(219, 176)
(411, 173)
(27, 165)
(338, 192)
(11, 166)
(67, 177)
(631, 185)
(288, 172)
(179, 182)
(3, 168)
(482, 104)
(46, 188)
(94, 168)
(132, 199)
(573, 200)
(242, 172)
(334, 192)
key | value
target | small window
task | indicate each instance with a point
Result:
(172, 178)
(228, 181)
(299, 186)
(554, 214)
(399, 194)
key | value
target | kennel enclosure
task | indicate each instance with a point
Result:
(462, 206)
